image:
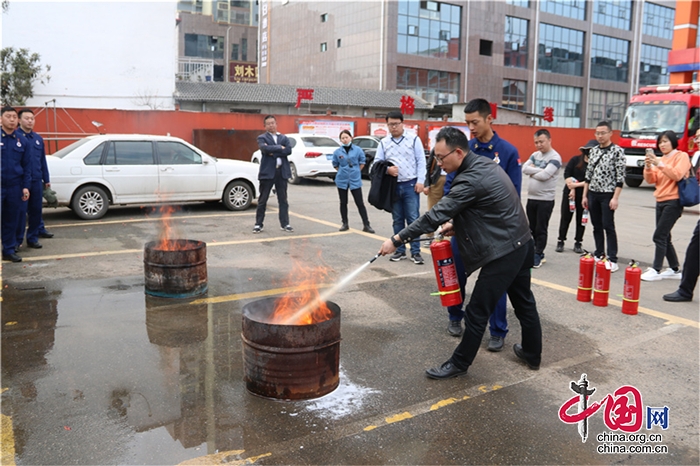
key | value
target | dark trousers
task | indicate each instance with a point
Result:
(511, 274)
(567, 215)
(280, 184)
(691, 265)
(32, 209)
(11, 202)
(667, 214)
(498, 324)
(603, 221)
(357, 196)
(538, 214)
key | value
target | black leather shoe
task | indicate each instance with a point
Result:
(36, 245)
(368, 229)
(496, 343)
(446, 371)
(560, 246)
(455, 328)
(518, 349)
(676, 297)
(46, 234)
(11, 257)
(344, 227)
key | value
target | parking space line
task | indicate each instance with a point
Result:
(148, 219)
(670, 319)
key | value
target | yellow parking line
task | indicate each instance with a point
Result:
(147, 219)
(670, 319)
(8, 440)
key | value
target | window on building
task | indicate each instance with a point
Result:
(198, 45)
(244, 49)
(514, 94)
(234, 52)
(324, 17)
(658, 20)
(574, 9)
(324, 46)
(566, 102)
(613, 13)
(609, 58)
(241, 3)
(437, 87)
(653, 65)
(515, 52)
(560, 50)
(485, 47)
(338, 43)
(522, 3)
(605, 105)
(429, 28)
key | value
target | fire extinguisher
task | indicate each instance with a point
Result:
(585, 278)
(445, 273)
(601, 285)
(630, 293)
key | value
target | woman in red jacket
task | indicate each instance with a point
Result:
(665, 172)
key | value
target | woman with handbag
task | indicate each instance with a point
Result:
(665, 172)
(348, 161)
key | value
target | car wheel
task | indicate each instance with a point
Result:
(238, 195)
(294, 179)
(90, 203)
(633, 182)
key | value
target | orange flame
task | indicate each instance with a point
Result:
(305, 279)
(167, 233)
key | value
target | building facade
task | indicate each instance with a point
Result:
(582, 58)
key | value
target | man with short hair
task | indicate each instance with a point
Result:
(542, 167)
(486, 142)
(274, 171)
(15, 167)
(40, 180)
(406, 153)
(483, 211)
(605, 175)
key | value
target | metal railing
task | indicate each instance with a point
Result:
(195, 69)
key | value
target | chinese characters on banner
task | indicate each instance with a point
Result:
(263, 34)
(408, 105)
(304, 94)
(240, 72)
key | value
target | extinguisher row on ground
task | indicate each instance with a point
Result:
(598, 286)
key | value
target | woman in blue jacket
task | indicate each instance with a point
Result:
(348, 161)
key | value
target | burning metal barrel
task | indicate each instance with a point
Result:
(290, 362)
(175, 268)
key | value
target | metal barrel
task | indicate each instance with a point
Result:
(180, 271)
(175, 326)
(289, 362)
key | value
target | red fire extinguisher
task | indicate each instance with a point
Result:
(630, 293)
(445, 273)
(601, 286)
(585, 278)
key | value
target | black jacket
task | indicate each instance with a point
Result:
(489, 220)
(382, 193)
(269, 151)
(433, 171)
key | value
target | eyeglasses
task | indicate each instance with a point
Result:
(601, 133)
(393, 125)
(440, 159)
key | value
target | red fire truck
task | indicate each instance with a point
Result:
(654, 110)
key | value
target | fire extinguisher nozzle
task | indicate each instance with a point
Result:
(374, 258)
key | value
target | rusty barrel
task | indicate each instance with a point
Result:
(178, 270)
(289, 362)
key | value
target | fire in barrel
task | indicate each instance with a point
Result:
(291, 345)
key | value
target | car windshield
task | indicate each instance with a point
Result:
(316, 141)
(656, 117)
(68, 149)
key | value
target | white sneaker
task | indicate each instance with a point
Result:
(669, 273)
(614, 267)
(651, 275)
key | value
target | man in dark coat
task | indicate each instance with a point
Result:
(274, 171)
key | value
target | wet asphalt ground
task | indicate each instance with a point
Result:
(96, 372)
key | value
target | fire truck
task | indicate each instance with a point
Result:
(651, 112)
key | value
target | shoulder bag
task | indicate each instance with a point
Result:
(689, 191)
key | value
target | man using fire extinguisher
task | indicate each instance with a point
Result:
(483, 211)
(486, 142)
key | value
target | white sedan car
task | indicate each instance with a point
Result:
(120, 169)
(311, 156)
